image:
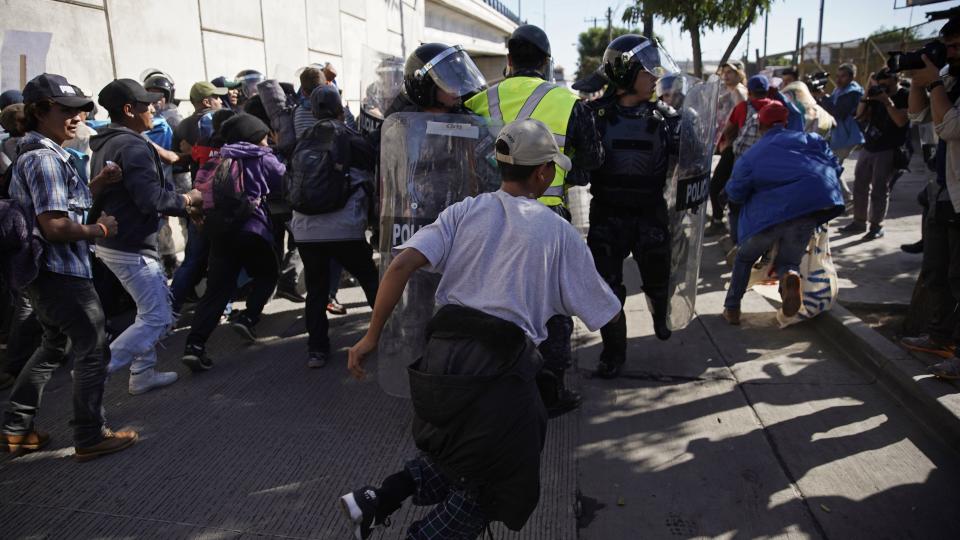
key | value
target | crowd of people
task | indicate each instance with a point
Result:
(270, 181)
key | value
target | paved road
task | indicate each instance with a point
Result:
(720, 432)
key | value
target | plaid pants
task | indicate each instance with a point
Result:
(457, 514)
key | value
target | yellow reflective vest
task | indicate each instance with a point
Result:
(518, 98)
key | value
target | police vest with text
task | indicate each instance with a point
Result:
(637, 146)
(519, 98)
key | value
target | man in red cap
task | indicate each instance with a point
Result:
(786, 184)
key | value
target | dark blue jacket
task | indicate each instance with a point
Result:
(785, 175)
(141, 198)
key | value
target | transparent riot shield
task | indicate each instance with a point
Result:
(687, 193)
(381, 79)
(427, 162)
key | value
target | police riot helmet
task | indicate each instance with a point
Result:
(672, 88)
(249, 79)
(160, 82)
(533, 35)
(436, 65)
(628, 54)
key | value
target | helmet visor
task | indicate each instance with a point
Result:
(248, 84)
(672, 85)
(653, 58)
(455, 73)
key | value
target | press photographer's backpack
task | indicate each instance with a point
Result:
(318, 178)
(225, 205)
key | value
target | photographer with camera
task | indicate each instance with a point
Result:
(883, 117)
(935, 95)
(842, 104)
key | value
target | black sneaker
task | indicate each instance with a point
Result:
(874, 233)
(360, 507)
(914, 248)
(291, 294)
(243, 326)
(196, 358)
(853, 227)
(316, 360)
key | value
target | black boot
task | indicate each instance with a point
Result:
(660, 328)
(609, 368)
(557, 398)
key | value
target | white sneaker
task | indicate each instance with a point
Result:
(150, 379)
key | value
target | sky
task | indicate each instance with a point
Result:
(842, 20)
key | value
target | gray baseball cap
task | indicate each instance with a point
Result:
(531, 143)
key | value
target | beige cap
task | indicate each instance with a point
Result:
(531, 143)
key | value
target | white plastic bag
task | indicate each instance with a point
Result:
(818, 277)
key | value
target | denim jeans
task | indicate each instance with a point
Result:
(25, 333)
(69, 309)
(192, 269)
(147, 285)
(794, 235)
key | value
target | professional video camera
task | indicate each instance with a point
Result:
(935, 50)
(817, 81)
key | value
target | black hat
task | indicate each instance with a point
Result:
(118, 93)
(244, 128)
(533, 35)
(56, 89)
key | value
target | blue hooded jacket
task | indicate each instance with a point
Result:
(785, 175)
(842, 104)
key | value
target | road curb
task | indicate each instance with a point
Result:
(935, 403)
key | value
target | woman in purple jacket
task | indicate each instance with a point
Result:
(250, 248)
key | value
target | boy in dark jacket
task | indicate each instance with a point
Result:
(144, 196)
(480, 422)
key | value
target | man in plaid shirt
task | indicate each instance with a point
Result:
(50, 191)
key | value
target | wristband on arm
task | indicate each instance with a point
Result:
(106, 232)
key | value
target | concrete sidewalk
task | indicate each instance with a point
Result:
(752, 431)
(876, 283)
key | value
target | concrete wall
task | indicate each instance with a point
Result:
(93, 41)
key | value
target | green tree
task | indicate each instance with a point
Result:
(697, 16)
(590, 46)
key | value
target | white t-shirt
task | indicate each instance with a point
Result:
(511, 257)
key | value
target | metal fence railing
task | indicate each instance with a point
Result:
(503, 10)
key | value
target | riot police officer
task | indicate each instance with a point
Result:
(527, 92)
(433, 153)
(628, 213)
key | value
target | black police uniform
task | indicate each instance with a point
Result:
(628, 213)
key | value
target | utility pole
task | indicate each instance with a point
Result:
(766, 24)
(820, 32)
(592, 19)
(746, 52)
(796, 48)
(609, 24)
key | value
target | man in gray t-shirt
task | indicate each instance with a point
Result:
(508, 264)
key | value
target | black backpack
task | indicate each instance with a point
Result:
(8, 174)
(231, 208)
(318, 179)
